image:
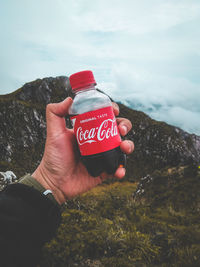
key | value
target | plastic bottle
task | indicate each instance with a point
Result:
(95, 126)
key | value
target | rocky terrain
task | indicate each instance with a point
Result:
(23, 125)
(7, 178)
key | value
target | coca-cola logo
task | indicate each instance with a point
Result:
(106, 130)
(96, 131)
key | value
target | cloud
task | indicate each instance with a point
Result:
(146, 51)
(170, 99)
(180, 116)
(133, 16)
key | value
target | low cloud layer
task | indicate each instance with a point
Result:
(145, 53)
(173, 100)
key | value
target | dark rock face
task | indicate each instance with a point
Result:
(23, 123)
(7, 178)
(23, 132)
(22, 126)
(44, 91)
(158, 145)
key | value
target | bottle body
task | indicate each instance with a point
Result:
(96, 131)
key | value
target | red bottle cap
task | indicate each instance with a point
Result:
(82, 79)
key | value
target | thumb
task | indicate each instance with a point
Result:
(55, 114)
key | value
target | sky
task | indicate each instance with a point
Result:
(144, 53)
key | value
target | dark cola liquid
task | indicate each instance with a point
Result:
(107, 162)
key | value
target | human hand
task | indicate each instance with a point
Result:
(61, 169)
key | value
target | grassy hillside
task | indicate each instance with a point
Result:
(113, 226)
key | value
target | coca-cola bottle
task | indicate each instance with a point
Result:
(95, 126)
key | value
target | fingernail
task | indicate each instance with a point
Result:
(130, 147)
(124, 128)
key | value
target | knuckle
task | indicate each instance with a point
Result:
(127, 123)
(49, 107)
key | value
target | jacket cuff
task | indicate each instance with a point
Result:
(32, 182)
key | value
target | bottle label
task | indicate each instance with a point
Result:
(96, 131)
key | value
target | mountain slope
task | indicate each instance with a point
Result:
(158, 225)
(23, 131)
(158, 144)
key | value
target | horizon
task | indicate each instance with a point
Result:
(126, 103)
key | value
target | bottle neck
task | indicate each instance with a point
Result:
(84, 89)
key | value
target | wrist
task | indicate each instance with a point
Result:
(43, 178)
(32, 182)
